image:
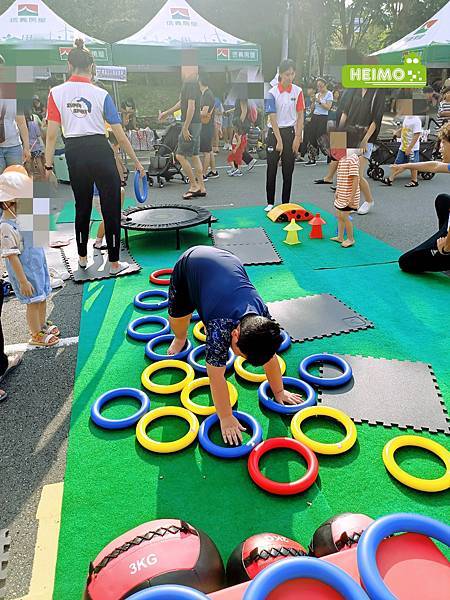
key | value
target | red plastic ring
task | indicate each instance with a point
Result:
(275, 487)
(154, 277)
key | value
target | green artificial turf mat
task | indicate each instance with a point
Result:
(67, 215)
(113, 485)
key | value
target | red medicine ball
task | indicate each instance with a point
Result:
(165, 551)
(258, 552)
(338, 533)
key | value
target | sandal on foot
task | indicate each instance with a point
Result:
(412, 184)
(3, 395)
(336, 239)
(322, 182)
(43, 340)
(13, 362)
(189, 195)
(51, 329)
(387, 181)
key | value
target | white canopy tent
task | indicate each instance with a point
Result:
(431, 41)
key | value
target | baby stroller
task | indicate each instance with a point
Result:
(163, 165)
(386, 152)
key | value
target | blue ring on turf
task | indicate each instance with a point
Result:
(138, 300)
(151, 320)
(169, 592)
(325, 382)
(268, 402)
(161, 339)
(382, 528)
(195, 317)
(304, 567)
(198, 368)
(106, 423)
(230, 451)
(286, 342)
(140, 197)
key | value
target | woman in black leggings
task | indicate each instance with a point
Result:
(434, 253)
(81, 109)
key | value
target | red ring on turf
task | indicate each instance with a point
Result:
(154, 277)
(275, 487)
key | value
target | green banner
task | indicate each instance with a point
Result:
(411, 74)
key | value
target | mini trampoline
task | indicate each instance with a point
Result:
(166, 217)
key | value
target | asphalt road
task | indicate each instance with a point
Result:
(34, 420)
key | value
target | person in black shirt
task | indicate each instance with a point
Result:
(189, 139)
(207, 104)
(362, 114)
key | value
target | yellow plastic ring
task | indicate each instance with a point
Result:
(423, 485)
(254, 377)
(199, 331)
(320, 447)
(198, 409)
(167, 447)
(167, 364)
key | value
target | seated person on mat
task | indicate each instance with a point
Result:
(434, 253)
(214, 282)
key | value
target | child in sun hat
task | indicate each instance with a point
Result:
(26, 265)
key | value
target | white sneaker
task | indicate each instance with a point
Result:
(231, 172)
(251, 164)
(365, 208)
(237, 173)
(56, 283)
(268, 208)
(122, 267)
(82, 262)
(64, 275)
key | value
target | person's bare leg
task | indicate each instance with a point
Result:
(187, 169)
(363, 183)
(332, 168)
(414, 174)
(198, 170)
(206, 162)
(179, 327)
(34, 317)
(212, 162)
(340, 236)
(42, 313)
(349, 230)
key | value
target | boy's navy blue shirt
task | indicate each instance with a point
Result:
(219, 288)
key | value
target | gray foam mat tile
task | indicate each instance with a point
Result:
(392, 393)
(98, 266)
(251, 245)
(315, 317)
(5, 544)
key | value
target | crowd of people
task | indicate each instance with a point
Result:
(343, 124)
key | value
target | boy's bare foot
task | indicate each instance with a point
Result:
(176, 346)
(347, 243)
(337, 239)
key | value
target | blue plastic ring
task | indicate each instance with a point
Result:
(101, 421)
(169, 592)
(382, 528)
(303, 567)
(193, 356)
(268, 402)
(138, 300)
(230, 451)
(140, 197)
(161, 339)
(151, 320)
(195, 317)
(325, 382)
(286, 342)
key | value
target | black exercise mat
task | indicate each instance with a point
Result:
(98, 265)
(391, 393)
(5, 544)
(315, 317)
(251, 245)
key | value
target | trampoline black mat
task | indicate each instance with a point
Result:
(165, 217)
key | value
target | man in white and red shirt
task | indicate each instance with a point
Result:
(285, 106)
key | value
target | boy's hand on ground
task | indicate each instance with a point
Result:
(231, 430)
(288, 398)
(26, 289)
